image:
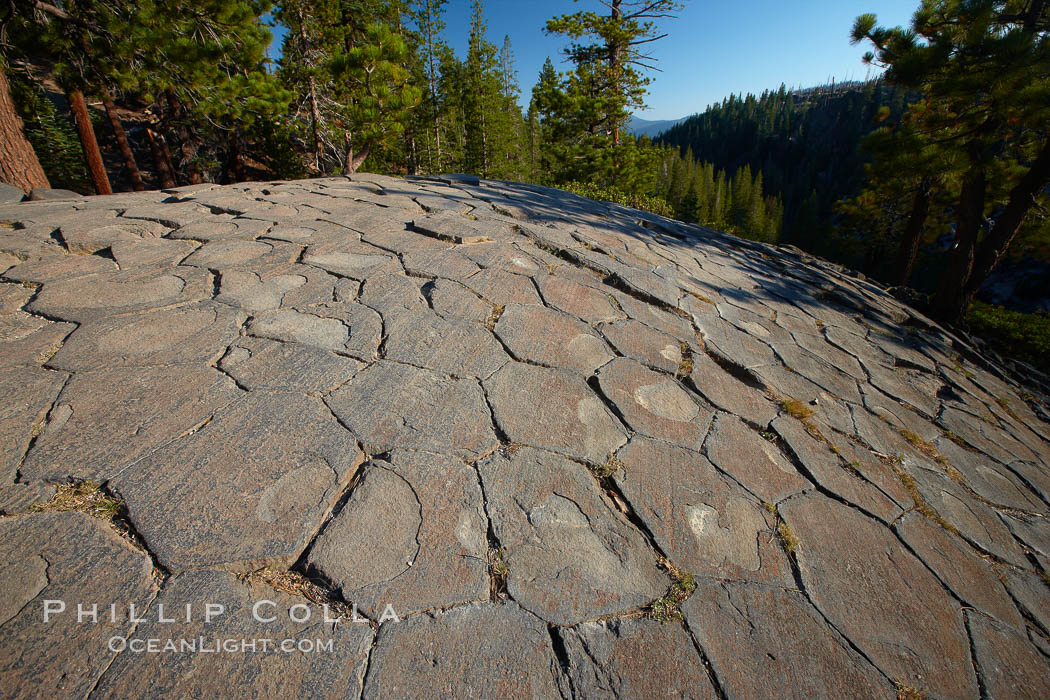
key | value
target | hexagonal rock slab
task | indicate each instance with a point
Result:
(292, 326)
(451, 299)
(634, 658)
(968, 575)
(728, 392)
(390, 405)
(553, 409)
(412, 535)
(885, 601)
(456, 228)
(247, 290)
(830, 471)
(255, 363)
(547, 337)
(105, 419)
(654, 404)
(1009, 665)
(188, 334)
(73, 558)
(449, 346)
(761, 640)
(221, 254)
(502, 287)
(570, 555)
(753, 461)
(151, 252)
(109, 293)
(269, 671)
(27, 340)
(479, 650)
(578, 300)
(57, 267)
(647, 345)
(26, 394)
(348, 257)
(248, 489)
(705, 523)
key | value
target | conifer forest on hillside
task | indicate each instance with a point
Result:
(932, 178)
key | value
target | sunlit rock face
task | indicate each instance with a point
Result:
(517, 442)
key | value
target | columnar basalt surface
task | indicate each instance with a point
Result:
(483, 438)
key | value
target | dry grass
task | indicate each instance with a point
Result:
(611, 466)
(908, 692)
(296, 584)
(685, 365)
(921, 505)
(498, 571)
(788, 539)
(802, 412)
(497, 312)
(1001, 400)
(701, 297)
(84, 497)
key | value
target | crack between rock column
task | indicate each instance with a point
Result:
(981, 688)
(129, 635)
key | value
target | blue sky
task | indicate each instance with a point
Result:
(714, 48)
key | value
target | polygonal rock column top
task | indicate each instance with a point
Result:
(1009, 665)
(761, 640)
(479, 650)
(634, 658)
(705, 523)
(754, 462)
(188, 334)
(390, 405)
(552, 338)
(26, 394)
(578, 300)
(250, 488)
(110, 293)
(411, 535)
(570, 556)
(881, 597)
(553, 409)
(654, 404)
(309, 670)
(72, 558)
(347, 327)
(640, 342)
(450, 346)
(256, 363)
(105, 419)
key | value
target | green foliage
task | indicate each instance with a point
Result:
(1018, 335)
(628, 199)
(52, 135)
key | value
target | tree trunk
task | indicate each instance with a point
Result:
(353, 162)
(122, 141)
(161, 160)
(87, 141)
(186, 145)
(19, 165)
(949, 303)
(235, 160)
(997, 242)
(615, 48)
(909, 244)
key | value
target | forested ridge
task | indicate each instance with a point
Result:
(930, 177)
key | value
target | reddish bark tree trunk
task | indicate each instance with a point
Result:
(997, 242)
(909, 245)
(19, 165)
(161, 160)
(189, 149)
(87, 141)
(949, 304)
(122, 142)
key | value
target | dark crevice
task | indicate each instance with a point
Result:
(561, 654)
(706, 661)
(982, 688)
(737, 371)
(43, 426)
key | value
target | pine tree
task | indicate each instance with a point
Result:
(984, 65)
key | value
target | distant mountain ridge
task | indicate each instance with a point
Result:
(650, 127)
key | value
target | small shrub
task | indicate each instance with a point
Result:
(1014, 334)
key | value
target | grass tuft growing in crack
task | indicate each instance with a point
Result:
(83, 497)
(788, 539)
(498, 571)
(296, 584)
(611, 466)
(669, 608)
(685, 365)
(909, 692)
(497, 312)
(921, 505)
